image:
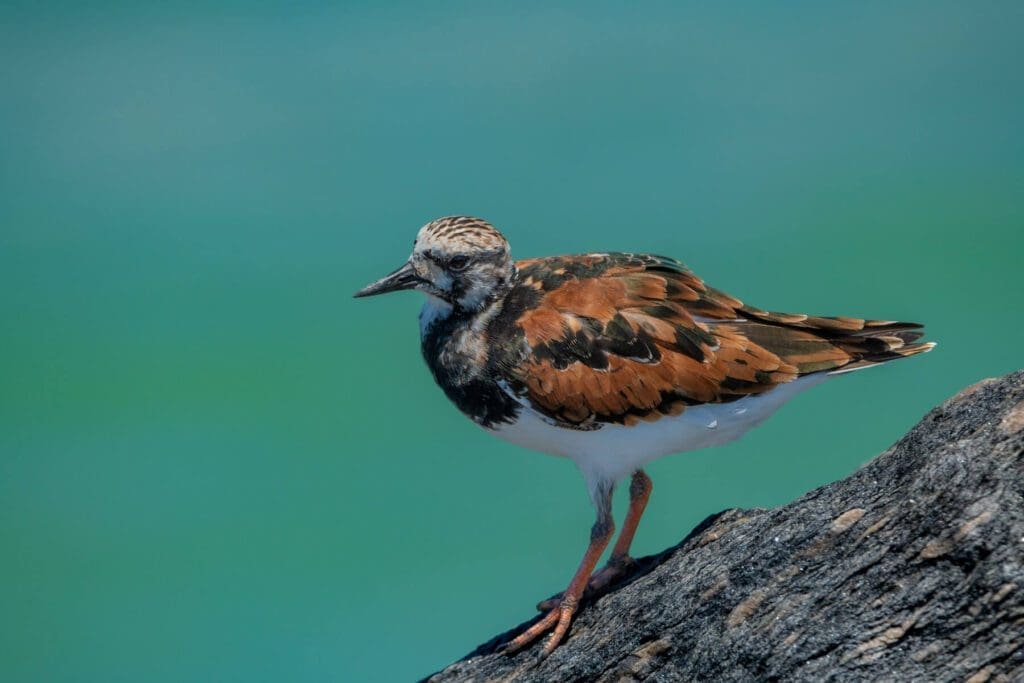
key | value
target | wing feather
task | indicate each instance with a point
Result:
(629, 337)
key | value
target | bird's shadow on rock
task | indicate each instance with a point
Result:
(640, 568)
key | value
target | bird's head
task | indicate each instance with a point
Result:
(462, 261)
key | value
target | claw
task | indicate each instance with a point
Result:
(565, 613)
(530, 634)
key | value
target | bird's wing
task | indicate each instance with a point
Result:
(628, 337)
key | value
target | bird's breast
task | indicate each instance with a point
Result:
(458, 356)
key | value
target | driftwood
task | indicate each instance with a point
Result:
(910, 569)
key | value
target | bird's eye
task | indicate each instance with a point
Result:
(458, 262)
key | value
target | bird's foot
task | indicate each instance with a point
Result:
(599, 582)
(559, 618)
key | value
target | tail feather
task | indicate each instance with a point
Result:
(903, 351)
(836, 344)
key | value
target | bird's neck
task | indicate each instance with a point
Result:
(457, 349)
(454, 341)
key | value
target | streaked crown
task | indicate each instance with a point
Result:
(459, 234)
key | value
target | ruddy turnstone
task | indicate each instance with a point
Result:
(612, 360)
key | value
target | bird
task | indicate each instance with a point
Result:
(612, 360)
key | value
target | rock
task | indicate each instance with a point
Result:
(910, 569)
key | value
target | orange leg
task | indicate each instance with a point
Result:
(639, 494)
(561, 616)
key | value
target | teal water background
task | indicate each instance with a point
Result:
(217, 466)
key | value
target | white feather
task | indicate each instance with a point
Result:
(615, 451)
(433, 310)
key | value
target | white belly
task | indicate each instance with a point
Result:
(615, 451)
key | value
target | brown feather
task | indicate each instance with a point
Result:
(616, 338)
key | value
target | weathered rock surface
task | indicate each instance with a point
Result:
(910, 569)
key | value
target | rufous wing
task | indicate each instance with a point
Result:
(629, 337)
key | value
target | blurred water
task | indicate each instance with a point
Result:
(215, 465)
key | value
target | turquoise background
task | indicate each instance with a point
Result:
(217, 466)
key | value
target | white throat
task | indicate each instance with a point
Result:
(434, 311)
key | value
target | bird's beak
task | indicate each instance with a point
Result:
(403, 278)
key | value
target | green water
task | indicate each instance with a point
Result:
(217, 466)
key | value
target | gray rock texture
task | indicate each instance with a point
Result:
(910, 569)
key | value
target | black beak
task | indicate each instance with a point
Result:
(403, 278)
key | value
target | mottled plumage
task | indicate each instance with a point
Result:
(623, 338)
(613, 360)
